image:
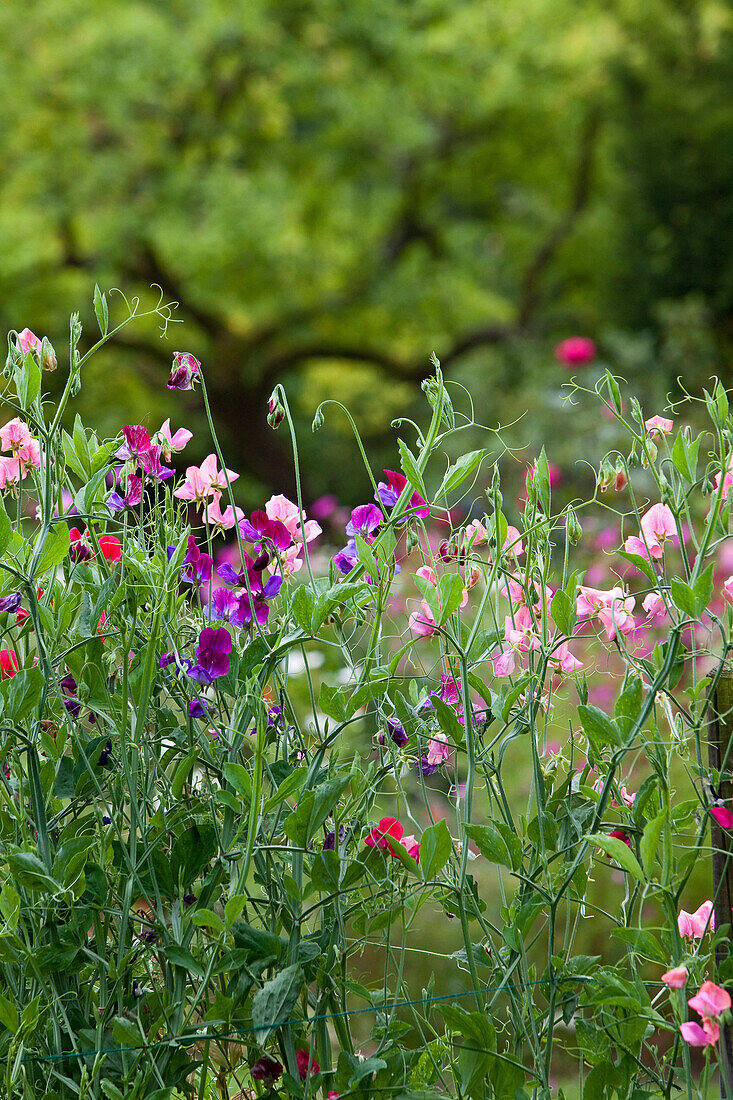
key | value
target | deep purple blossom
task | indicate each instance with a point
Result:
(347, 558)
(396, 732)
(260, 528)
(185, 371)
(197, 708)
(425, 767)
(212, 655)
(10, 603)
(266, 1069)
(329, 844)
(226, 605)
(364, 521)
(197, 565)
(261, 593)
(189, 899)
(105, 756)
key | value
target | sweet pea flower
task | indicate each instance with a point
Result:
(15, 436)
(657, 527)
(390, 491)
(613, 608)
(658, 425)
(225, 520)
(137, 442)
(8, 663)
(723, 816)
(365, 519)
(212, 655)
(563, 660)
(654, 605)
(172, 444)
(439, 751)
(379, 836)
(10, 604)
(28, 341)
(111, 547)
(412, 846)
(621, 835)
(280, 508)
(696, 1036)
(396, 732)
(266, 1069)
(576, 351)
(710, 1000)
(675, 978)
(728, 589)
(306, 1064)
(196, 566)
(185, 371)
(694, 925)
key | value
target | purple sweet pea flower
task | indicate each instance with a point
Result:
(137, 441)
(10, 603)
(426, 769)
(364, 521)
(197, 565)
(197, 708)
(346, 558)
(115, 502)
(183, 664)
(329, 844)
(396, 732)
(260, 528)
(105, 755)
(261, 593)
(212, 654)
(390, 491)
(151, 465)
(185, 371)
(226, 605)
(266, 1069)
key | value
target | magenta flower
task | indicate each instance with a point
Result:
(390, 491)
(197, 566)
(723, 816)
(185, 371)
(151, 465)
(212, 655)
(696, 1036)
(260, 529)
(576, 351)
(137, 441)
(306, 1064)
(365, 519)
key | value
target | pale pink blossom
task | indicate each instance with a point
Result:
(519, 630)
(427, 573)
(621, 480)
(201, 481)
(172, 444)
(695, 924)
(504, 662)
(513, 542)
(439, 750)
(696, 1036)
(412, 846)
(613, 609)
(657, 525)
(225, 520)
(512, 589)
(710, 1000)
(12, 470)
(476, 533)
(422, 622)
(15, 436)
(654, 605)
(563, 660)
(728, 589)
(675, 978)
(28, 341)
(658, 425)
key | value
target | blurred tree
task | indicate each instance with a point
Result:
(322, 186)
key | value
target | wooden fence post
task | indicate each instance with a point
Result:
(720, 755)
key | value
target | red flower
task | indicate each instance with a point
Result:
(387, 827)
(8, 663)
(111, 547)
(305, 1062)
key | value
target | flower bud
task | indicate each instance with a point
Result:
(572, 523)
(48, 355)
(621, 480)
(275, 411)
(649, 455)
(605, 476)
(472, 577)
(318, 420)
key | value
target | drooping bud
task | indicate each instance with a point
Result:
(185, 371)
(48, 355)
(605, 476)
(575, 531)
(621, 480)
(275, 411)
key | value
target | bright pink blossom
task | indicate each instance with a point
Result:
(723, 816)
(619, 834)
(576, 351)
(15, 435)
(305, 1063)
(654, 605)
(379, 837)
(28, 341)
(222, 520)
(172, 444)
(696, 1036)
(658, 425)
(694, 925)
(675, 978)
(710, 1000)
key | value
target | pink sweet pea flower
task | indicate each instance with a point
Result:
(439, 751)
(422, 622)
(513, 544)
(694, 925)
(185, 371)
(675, 978)
(413, 849)
(15, 436)
(223, 521)
(28, 341)
(475, 533)
(520, 631)
(654, 605)
(201, 481)
(657, 525)
(504, 662)
(172, 444)
(723, 816)
(696, 1036)
(710, 1000)
(728, 589)
(576, 351)
(12, 470)
(563, 660)
(658, 425)
(619, 834)
(379, 837)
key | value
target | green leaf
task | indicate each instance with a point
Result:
(8, 1014)
(331, 701)
(459, 471)
(448, 720)
(562, 609)
(641, 564)
(238, 777)
(436, 846)
(450, 589)
(684, 597)
(181, 956)
(207, 918)
(366, 557)
(28, 871)
(410, 469)
(27, 377)
(598, 727)
(55, 549)
(273, 1003)
(650, 840)
(20, 693)
(490, 844)
(302, 606)
(182, 773)
(233, 909)
(684, 456)
(643, 942)
(289, 786)
(101, 310)
(618, 851)
(628, 705)
(126, 1033)
(313, 809)
(325, 871)
(429, 593)
(704, 589)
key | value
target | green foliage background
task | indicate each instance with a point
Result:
(332, 191)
